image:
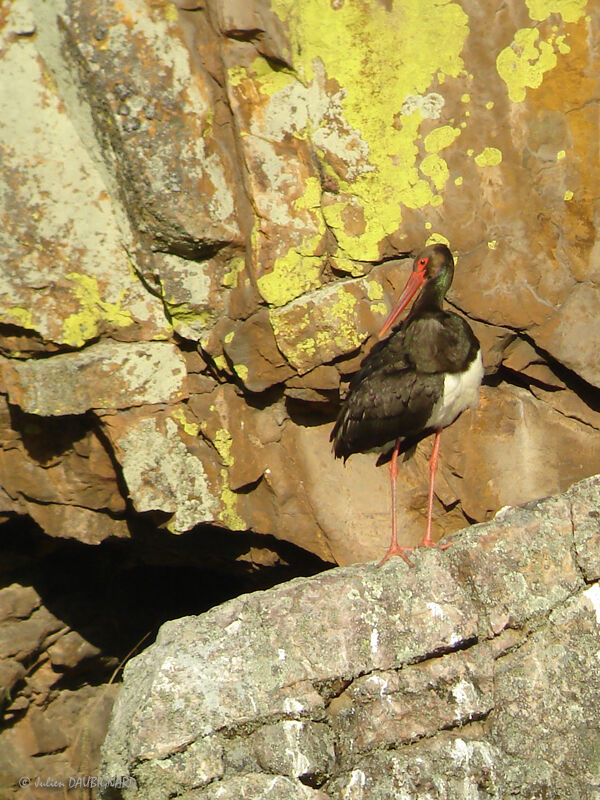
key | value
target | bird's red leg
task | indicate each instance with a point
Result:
(433, 465)
(394, 549)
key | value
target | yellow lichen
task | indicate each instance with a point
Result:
(241, 370)
(343, 316)
(223, 441)
(435, 167)
(19, 316)
(568, 195)
(291, 276)
(84, 325)
(489, 157)
(182, 312)
(229, 501)
(570, 10)
(170, 12)
(441, 137)
(312, 195)
(560, 155)
(343, 264)
(230, 278)
(437, 238)
(236, 75)
(268, 80)
(379, 308)
(374, 290)
(191, 428)
(523, 63)
(340, 42)
(298, 270)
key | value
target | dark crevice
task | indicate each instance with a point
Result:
(119, 591)
(28, 353)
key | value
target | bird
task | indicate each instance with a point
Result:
(413, 383)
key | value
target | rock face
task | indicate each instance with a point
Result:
(54, 729)
(203, 218)
(475, 674)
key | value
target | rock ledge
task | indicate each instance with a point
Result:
(474, 675)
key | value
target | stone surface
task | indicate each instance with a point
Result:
(475, 672)
(198, 257)
(568, 335)
(105, 375)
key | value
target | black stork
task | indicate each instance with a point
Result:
(415, 382)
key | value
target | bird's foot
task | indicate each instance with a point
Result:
(396, 550)
(430, 543)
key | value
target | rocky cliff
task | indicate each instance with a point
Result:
(202, 215)
(204, 208)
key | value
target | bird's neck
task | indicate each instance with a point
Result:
(431, 298)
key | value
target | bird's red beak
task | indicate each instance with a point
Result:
(414, 283)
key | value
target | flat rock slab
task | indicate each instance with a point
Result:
(105, 375)
(473, 675)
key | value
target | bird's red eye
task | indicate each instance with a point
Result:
(422, 262)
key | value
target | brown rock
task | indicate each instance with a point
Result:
(512, 458)
(48, 736)
(75, 471)
(211, 175)
(254, 355)
(23, 639)
(17, 602)
(11, 672)
(238, 432)
(330, 323)
(73, 522)
(70, 650)
(571, 334)
(255, 20)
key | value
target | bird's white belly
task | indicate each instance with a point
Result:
(461, 390)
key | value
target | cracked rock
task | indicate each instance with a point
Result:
(475, 672)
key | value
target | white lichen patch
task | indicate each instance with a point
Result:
(436, 610)
(374, 641)
(592, 595)
(162, 475)
(429, 105)
(466, 698)
(106, 375)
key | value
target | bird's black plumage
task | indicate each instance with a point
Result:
(402, 378)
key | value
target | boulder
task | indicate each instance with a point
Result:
(475, 672)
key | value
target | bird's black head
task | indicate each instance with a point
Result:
(434, 267)
(432, 272)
